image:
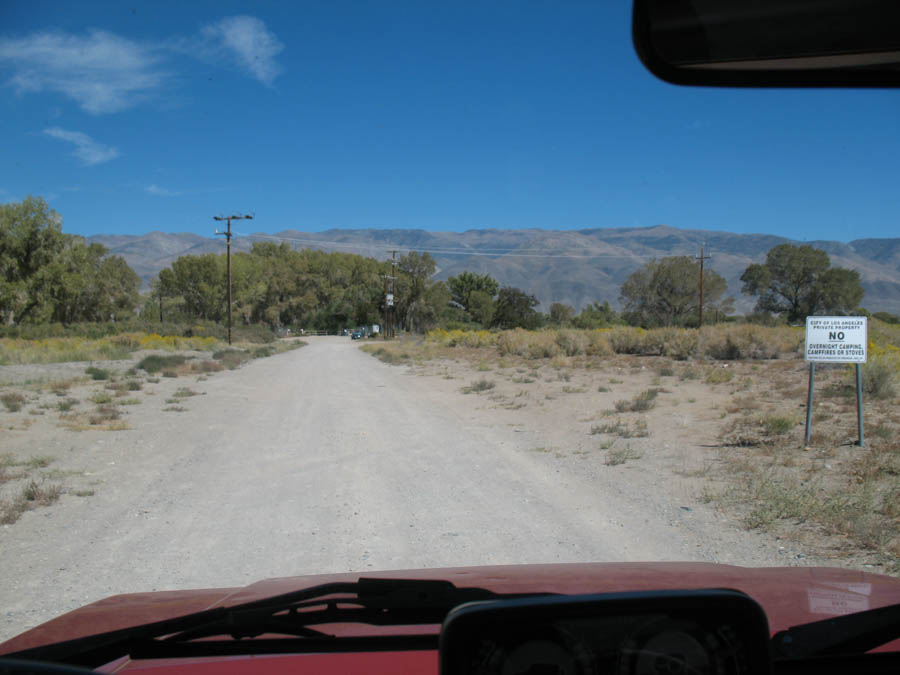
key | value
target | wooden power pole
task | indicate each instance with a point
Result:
(227, 234)
(389, 298)
(701, 258)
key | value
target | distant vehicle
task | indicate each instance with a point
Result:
(356, 335)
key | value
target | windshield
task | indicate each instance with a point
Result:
(326, 287)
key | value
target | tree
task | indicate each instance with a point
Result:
(31, 238)
(276, 285)
(414, 311)
(839, 291)
(798, 281)
(84, 283)
(595, 315)
(46, 275)
(561, 314)
(464, 286)
(666, 292)
(515, 309)
(481, 307)
(199, 280)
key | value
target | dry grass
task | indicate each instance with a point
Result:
(478, 386)
(622, 429)
(33, 490)
(12, 401)
(642, 402)
(617, 456)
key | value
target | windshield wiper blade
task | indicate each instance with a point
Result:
(382, 602)
(850, 634)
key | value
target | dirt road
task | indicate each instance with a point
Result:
(325, 459)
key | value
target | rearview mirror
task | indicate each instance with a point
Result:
(770, 43)
(705, 631)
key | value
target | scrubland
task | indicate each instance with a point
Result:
(721, 412)
(60, 385)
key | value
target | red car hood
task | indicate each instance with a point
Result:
(789, 595)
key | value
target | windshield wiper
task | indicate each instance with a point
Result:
(379, 602)
(850, 634)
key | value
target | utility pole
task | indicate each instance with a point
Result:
(389, 299)
(701, 258)
(227, 234)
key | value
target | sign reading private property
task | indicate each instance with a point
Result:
(836, 339)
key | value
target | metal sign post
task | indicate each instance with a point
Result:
(836, 339)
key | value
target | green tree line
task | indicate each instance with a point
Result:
(47, 276)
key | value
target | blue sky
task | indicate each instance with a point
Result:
(141, 116)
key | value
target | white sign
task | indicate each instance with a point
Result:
(836, 339)
(390, 299)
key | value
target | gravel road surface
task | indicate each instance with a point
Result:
(324, 460)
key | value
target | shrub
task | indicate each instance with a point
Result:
(618, 456)
(231, 358)
(752, 431)
(66, 404)
(879, 376)
(626, 340)
(97, 373)
(718, 376)
(173, 342)
(256, 333)
(571, 342)
(209, 366)
(654, 342)
(40, 494)
(478, 386)
(542, 345)
(749, 341)
(13, 401)
(776, 425)
(598, 343)
(622, 429)
(723, 349)
(119, 387)
(105, 413)
(155, 362)
(643, 402)
(680, 343)
(478, 338)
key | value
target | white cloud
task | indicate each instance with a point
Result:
(103, 72)
(106, 73)
(89, 151)
(250, 43)
(160, 192)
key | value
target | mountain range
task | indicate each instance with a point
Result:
(575, 267)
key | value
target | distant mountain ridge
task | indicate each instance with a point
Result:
(575, 267)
